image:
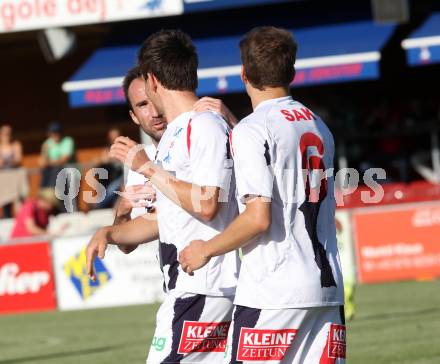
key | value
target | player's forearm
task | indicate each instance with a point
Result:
(201, 202)
(239, 233)
(121, 219)
(254, 220)
(123, 209)
(143, 229)
(122, 214)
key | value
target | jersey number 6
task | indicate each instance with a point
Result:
(313, 167)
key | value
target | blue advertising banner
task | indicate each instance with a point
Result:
(423, 45)
(326, 54)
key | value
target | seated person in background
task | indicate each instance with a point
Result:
(115, 172)
(10, 157)
(56, 152)
(33, 217)
(10, 149)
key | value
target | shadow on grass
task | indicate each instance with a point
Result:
(28, 359)
(392, 315)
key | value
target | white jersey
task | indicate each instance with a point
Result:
(295, 263)
(195, 149)
(134, 178)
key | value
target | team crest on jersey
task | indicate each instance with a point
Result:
(177, 132)
(76, 270)
(264, 344)
(203, 337)
(167, 158)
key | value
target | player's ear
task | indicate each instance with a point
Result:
(152, 82)
(133, 117)
(243, 75)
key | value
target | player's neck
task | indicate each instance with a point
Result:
(178, 102)
(154, 141)
(258, 96)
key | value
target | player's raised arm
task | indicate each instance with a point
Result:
(207, 148)
(200, 198)
(254, 179)
(132, 196)
(252, 222)
(142, 229)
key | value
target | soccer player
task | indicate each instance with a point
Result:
(195, 200)
(138, 195)
(143, 114)
(289, 299)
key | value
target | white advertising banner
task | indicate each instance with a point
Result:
(346, 246)
(18, 15)
(121, 279)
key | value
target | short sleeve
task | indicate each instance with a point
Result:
(253, 173)
(68, 147)
(208, 148)
(134, 178)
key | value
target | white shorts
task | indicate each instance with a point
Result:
(299, 336)
(191, 328)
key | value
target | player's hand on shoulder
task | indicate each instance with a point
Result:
(216, 105)
(193, 257)
(130, 153)
(96, 248)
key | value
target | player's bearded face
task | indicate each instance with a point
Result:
(143, 111)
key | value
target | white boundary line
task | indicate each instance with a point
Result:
(203, 73)
(421, 42)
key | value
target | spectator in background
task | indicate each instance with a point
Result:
(57, 151)
(10, 157)
(33, 217)
(10, 149)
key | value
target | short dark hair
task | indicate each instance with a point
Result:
(55, 127)
(132, 74)
(268, 55)
(171, 57)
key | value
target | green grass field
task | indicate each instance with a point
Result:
(395, 323)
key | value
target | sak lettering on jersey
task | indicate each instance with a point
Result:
(262, 344)
(203, 337)
(298, 115)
